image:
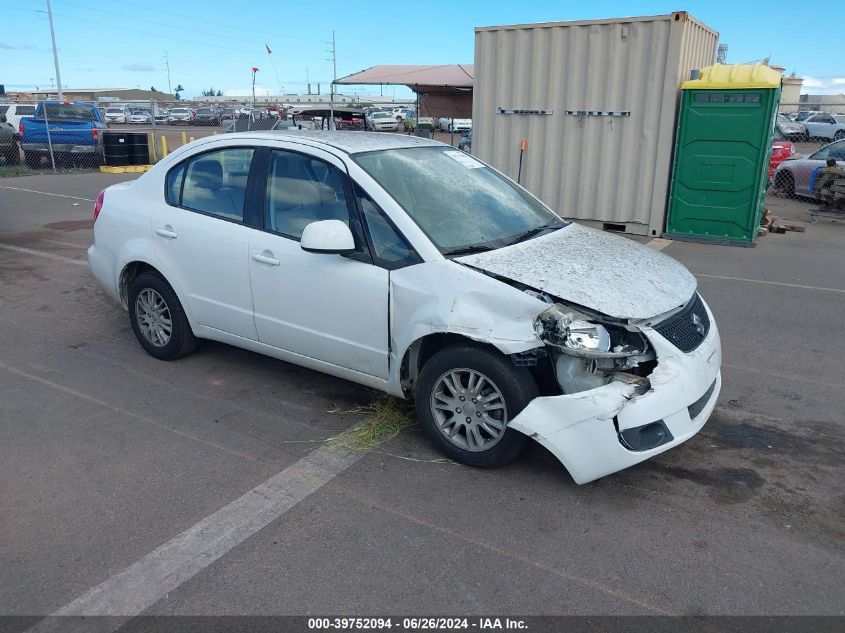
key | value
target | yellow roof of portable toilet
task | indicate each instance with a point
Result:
(734, 76)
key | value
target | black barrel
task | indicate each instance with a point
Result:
(116, 149)
(139, 149)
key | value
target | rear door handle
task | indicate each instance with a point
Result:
(167, 231)
(266, 259)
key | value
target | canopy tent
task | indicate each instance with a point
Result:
(444, 89)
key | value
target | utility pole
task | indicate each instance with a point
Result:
(167, 65)
(307, 81)
(334, 79)
(55, 51)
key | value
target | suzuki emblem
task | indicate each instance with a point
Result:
(699, 326)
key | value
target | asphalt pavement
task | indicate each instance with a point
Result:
(110, 457)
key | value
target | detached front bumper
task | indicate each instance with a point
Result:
(585, 430)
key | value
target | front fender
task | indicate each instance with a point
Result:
(445, 297)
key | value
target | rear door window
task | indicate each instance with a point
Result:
(214, 183)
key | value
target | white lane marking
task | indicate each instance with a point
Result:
(145, 582)
(658, 243)
(47, 193)
(770, 283)
(46, 255)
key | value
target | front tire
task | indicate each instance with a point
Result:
(158, 319)
(465, 397)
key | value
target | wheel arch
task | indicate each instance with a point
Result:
(135, 267)
(423, 348)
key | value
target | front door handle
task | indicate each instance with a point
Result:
(167, 231)
(266, 258)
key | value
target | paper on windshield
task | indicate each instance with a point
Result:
(464, 159)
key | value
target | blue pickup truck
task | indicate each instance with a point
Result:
(76, 134)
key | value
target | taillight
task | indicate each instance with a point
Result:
(98, 205)
(95, 133)
(20, 129)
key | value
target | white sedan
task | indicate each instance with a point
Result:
(451, 124)
(406, 265)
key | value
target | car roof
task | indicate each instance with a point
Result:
(349, 142)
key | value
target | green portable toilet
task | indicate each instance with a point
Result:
(722, 150)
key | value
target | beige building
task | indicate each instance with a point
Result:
(103, 94)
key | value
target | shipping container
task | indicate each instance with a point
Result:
(596, 102)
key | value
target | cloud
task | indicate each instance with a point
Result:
(139, 68)
(823, 85)
(11, 47)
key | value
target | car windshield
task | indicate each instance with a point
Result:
(205, 111)
(381, 115)
(460, 203)
(115, 110)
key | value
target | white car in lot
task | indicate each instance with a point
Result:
(406, 265)
(382, 122)
(140, 117)
(826, 126)
(180, 115)
(449, 124)
(117, 115)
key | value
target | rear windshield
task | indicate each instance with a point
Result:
(69, 111)
(205, 111)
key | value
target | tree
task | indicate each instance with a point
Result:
(176, 92)
(208, 93)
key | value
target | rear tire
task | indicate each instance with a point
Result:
(13, 156)
(144, 293)
(511, 386)
(840, 134)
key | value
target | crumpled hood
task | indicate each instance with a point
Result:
(606, 273)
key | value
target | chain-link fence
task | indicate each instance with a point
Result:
(806, 172)
(58, 136)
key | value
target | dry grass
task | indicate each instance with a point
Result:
(386, 418)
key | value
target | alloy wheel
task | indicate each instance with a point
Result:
(469, 409)
(153, 316)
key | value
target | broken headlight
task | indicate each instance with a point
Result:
(577, 334)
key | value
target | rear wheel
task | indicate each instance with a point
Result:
(158, 320)
(840, 134)
(465, 397)
(13, 156)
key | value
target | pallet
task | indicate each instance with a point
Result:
(128, 169)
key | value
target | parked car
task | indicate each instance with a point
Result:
(825, 126)
(76, 134)
(781, 150)
(117, 115)
(140, 117)
(787, 129)
(412, 123)
(804, 114)
(458, 289)
(465, 143)
(162, 117)
(9, 146)
(207, 116)
(382, 122)
(14, 112)
(180, 115)
(794, 176)
(451, 124)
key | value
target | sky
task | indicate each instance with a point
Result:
(215, 43)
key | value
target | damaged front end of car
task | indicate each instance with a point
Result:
(621, 392)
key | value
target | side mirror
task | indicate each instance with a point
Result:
(328, 237)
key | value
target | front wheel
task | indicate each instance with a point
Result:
(465, 397)
(158, 320)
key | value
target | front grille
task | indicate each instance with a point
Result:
(688, 328)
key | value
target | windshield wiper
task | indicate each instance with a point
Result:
(468, 250)
(527, 235)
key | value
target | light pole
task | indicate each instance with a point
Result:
(254, 71)
(55, 52)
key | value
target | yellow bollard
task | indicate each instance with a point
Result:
(192, 139)
(152, 145)
(163, 146)
(184, 139)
